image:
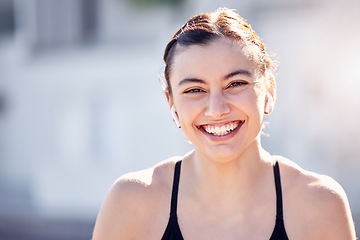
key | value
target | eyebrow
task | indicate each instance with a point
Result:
(191, 80)
(196, 80)
(238, 72)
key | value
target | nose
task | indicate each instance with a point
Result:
(217, 106)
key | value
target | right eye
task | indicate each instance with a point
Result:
(194, 90)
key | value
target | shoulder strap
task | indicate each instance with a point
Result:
(175, 189)
(279, 203)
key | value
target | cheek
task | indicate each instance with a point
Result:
(260, 97)
(189, 109)
(249, 101)
(259, 103)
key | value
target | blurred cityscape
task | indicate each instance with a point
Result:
(80, 102)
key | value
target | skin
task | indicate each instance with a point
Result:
(226, 187)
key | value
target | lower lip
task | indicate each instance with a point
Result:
(223, 137)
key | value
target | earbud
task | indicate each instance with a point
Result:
(175, 117)
(269, 103)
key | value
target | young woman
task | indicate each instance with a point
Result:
(219, 87)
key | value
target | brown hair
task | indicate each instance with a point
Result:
(203, 28)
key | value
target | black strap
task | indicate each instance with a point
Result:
(279, 203)
(175, 189)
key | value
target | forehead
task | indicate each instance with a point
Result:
(215, 59)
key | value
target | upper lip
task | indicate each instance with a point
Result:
(218, 124)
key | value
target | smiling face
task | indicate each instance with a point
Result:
(219, 96)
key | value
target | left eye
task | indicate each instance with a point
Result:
(236, 84)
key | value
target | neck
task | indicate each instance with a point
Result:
(232, 179)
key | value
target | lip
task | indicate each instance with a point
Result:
(222, 137)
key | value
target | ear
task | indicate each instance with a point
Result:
(269, 103)
(270, 95)
(271, 86)
(169, 98)
(172, 109)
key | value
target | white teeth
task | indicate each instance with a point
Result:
(217, 131)
(221, 130)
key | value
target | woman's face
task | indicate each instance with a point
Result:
(219, 97)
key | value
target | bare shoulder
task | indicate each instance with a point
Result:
(309, 181)
(148, 179)
(133, 200)
(315, 202)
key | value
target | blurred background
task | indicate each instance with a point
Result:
(80, 102)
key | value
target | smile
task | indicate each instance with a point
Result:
(221, 130)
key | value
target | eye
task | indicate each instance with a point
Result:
(237, 84)
(194, 90)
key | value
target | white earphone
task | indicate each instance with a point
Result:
(269, 103)
(175, 117)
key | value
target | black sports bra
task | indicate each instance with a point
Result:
(173, 231)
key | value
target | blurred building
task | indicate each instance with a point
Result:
(80, 102)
